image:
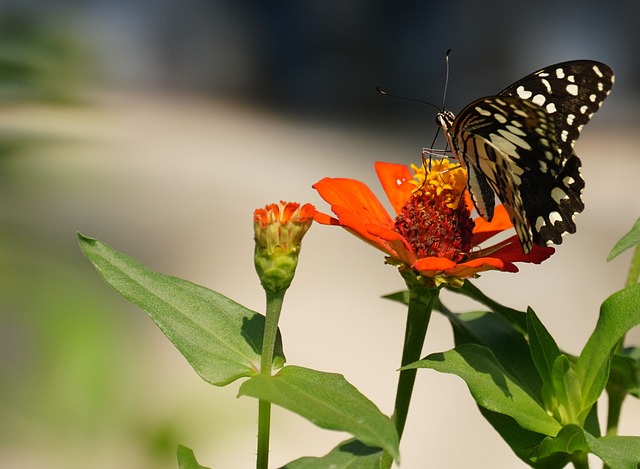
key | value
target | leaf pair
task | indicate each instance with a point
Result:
(222, 341)
(542, 404)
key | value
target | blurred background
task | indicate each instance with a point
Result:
(159, 126)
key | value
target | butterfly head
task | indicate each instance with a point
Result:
(445, 119)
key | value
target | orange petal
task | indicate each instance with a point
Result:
(384, 233)
(481, 264)
(428, 265)
(357, 224)
(325, 219)
(512, 252)
(376, 235)
(397, 246)
(395, 182)
(485, 229)
(359, 211)
(355, 197)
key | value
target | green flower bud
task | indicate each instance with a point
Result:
(279, 229)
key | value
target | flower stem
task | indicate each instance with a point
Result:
(274, 306)
(581, 461)
(616, 395)
(421, 302)
(264, 432)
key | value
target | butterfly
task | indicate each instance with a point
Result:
(518, 145)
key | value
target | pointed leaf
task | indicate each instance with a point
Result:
(329, 401)
(221, 339)
(631, 239)
(618, 314)
(401, 296)
(591, 423)
(350, 454)
(516, 318)
(544, 352)
(491, 386)
(566, 389)
(620, 452)
(569, 440)
(632, 352)
(187, 460)
(625, 374)
(524, 443)
(505, 341)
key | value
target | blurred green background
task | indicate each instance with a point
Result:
(159, 126)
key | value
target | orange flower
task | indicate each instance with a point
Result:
(433, 233)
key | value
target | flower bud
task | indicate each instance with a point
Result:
(279, 229)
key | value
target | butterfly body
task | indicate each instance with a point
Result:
(519, 146)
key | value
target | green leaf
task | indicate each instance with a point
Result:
(517, 318)
(566, 389)
(544, 352)
(492, 386)
(187, 460)
(591, 423)
(619, 452)
(568, 441)
(327, 400)
(524, 443)
(625, 374)
(505, 341)
(401, 296)
(618, 314)
(634, 354)
(631, 239)
(350, 454)
(220, 339)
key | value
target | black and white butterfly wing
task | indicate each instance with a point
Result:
(570, 91)
(492, 137)
(520, 144)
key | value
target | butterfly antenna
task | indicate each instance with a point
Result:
(426, 151)
(444, 98)
(386, 93)
(446, 78)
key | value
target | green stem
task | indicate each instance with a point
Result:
(580, 461)
(616, 396)
(274, 306)
(420, 305)
(421, 302)
(264, 433)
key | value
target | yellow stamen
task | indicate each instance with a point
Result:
(445, 180)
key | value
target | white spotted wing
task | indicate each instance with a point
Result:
(519, 145)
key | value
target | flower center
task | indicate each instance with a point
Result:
(433, 220)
